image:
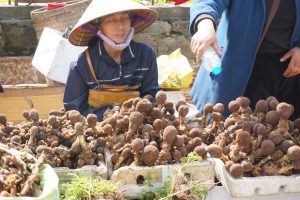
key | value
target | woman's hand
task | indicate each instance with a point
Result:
(203, 38)
(294, 65)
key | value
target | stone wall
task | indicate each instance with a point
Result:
(18, 38)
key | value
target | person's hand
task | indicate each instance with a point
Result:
(203, 38)
(294, 65)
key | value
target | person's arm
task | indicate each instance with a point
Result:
(205, 14)
(206, 9)
(150, 83)
(76, 92)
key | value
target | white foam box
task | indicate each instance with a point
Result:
(128, 176)
(253, 186)
(95, 171)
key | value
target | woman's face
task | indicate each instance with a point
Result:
(116, 26)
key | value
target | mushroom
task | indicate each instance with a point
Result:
(236, 170)
(208, 108)
(137, 146)
(285, 110)
(150, 155)
(234, 108)
(261, 108)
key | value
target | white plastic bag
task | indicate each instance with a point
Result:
(174, 71)
(54, 55)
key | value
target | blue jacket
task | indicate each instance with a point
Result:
(138, 66)
(238, 34)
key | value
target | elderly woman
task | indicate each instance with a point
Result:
(113, 68)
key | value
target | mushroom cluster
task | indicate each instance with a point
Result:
(16, 177)
(145, 133)
(65, 137)
(260, 143)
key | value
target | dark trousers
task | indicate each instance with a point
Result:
(267, 80)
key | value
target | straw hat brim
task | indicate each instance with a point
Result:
(142, 15)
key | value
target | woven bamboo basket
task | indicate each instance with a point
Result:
(59, 18)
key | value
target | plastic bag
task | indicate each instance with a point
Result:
(54, 54)
(174, 71)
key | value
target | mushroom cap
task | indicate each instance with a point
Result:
(234, 106)
(270, 98)
(182, 150)
(150, 155)
(214, 150)
(286, 144)
(294, 152)
(273, 104)
(92, 120)
(228, 122)
(179, 141)
(176, 155)
(158, 124)
(114, 157)
(78, 127)
(243, 101)
(137, 145)
(34, 115)
(218, 107)
(161, 97)
(216, 116)
(147, 128)
(169, 134)
(34, 130)
(277, 155)
(269, 169)
(243, 138)
(228, 164)
(285, 110)
(248, 126)
(128, 103)
(201, 151)
(195, 132)
(208, 108)
(261, 106)
(272, 118)
(179, 103)
(276, 137)
(156, 113)
(26, 114)
(3, 119)
(148, 97)
(136, 118)
(297, 123)
(236, 170)
(74, 116)
(196, 142)
(135, 101)
(262, 130)
(107, 129)
(144, 106)
(52, 120)
(112, 121)
(247, 165)
(153, 143)
(183, 110)
(168, 105)
(267, 147)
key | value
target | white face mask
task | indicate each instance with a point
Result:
(119, 46)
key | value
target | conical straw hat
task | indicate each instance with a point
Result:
(82, 33)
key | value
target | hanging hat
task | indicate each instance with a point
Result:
(85, 29)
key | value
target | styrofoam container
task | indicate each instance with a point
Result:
(94, 171)
(129, 176)
(251, 186)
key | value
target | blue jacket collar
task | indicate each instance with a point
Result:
(127, 56)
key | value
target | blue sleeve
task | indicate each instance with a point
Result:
(76, 94)
(211, 7)
(150, 84)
